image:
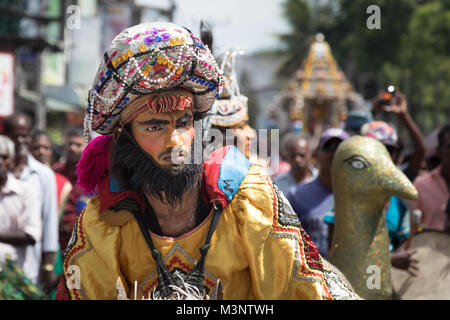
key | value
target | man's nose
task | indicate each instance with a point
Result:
(298, 159)
(21, 139)
(73, 147)
(174, 138)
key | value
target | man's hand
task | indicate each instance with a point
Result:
(49, 280)
(403, 260)
(398, 104)
(48, 277)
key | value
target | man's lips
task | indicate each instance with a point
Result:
(173, 157)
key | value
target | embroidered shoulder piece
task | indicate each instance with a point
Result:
(338, 285)
(286, 222)
(286, 215)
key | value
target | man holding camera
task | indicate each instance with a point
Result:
(393, 101)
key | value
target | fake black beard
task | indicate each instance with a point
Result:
(133, 167)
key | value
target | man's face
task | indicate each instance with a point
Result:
(245, 134)
(41, 149)
(326, 154)
(167, 136)
(74, 148)
(444, 150)
(298, 154)
(20, 135)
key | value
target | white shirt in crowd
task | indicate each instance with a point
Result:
(43, 181)
(19, 211)
(285, 181)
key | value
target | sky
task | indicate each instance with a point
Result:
(249, 24)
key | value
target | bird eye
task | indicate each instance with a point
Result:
(357, 163)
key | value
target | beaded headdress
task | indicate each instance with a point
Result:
(231, 106)
(148, 58)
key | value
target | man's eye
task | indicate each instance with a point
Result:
(184, 124)
(154, 128)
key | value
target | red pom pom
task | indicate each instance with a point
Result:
(94, 163)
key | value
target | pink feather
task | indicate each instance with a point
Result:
(94, 163)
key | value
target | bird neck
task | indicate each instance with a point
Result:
(360, 246)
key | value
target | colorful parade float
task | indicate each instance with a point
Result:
(319, 95)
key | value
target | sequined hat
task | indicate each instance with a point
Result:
(381, 131)
(231, 106)
(148, 58)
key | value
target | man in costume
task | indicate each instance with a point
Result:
(157, 212)
(231, 115)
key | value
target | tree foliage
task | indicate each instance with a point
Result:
(411, 50)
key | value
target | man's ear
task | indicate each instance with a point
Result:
(116, 133)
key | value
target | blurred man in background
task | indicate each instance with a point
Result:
(20, 221)
(312, 201)
(73, 147)
(26, 168)
(42, 150)
(296, 151)
(434, 196)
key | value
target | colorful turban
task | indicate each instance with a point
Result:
(381, 131)
(231, 106)
(148, 58)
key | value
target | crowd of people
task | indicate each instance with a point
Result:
(129, 208)
(40, 199)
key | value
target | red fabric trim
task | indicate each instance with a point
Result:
(108, 198)
(62, 292)
(312, 254)
(76, 249)
(211, 168)
(176, 260)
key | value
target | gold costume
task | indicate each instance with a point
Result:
(258, 251)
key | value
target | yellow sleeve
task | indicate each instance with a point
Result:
(91, 264)
(283, 261)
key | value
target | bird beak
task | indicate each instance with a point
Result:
(395, 183)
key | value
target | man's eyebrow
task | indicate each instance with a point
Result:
(153, 121)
